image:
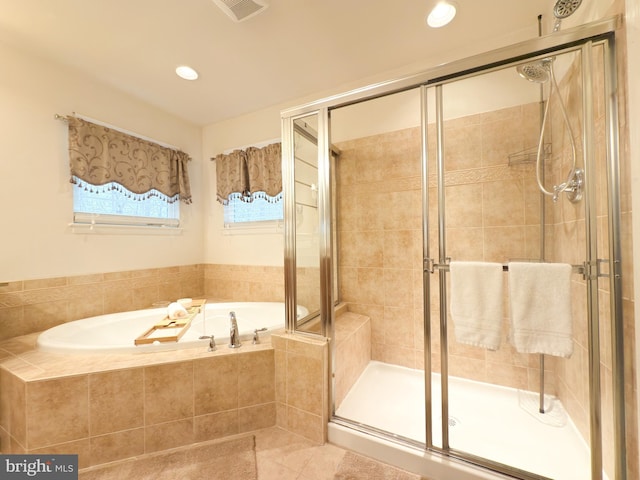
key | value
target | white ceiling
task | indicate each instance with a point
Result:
(294, 49)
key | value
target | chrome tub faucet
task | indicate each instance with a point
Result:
(234, 334)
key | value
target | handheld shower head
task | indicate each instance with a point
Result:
(563, 9)
(537, 72)
(541, 71)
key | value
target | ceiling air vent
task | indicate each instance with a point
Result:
(239, 10)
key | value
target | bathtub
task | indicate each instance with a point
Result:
(116, 332)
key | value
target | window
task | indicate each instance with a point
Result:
(118, 206)
(151, 178)
(261, 209)
(249, 186)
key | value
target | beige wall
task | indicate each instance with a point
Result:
(252, 248)
(36, 194)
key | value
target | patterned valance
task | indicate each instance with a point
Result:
(249, 174)
(107, 158)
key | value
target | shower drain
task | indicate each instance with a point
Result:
(453, 421)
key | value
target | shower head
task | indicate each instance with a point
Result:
(563, 9)
(537, 72)
(540, 71)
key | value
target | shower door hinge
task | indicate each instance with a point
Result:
(594, 270)
(428, 265)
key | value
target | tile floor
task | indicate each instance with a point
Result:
(280, 455)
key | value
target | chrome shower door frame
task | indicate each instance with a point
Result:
(591, 266)
(577, 39)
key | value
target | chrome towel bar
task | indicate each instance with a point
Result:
(430, 266)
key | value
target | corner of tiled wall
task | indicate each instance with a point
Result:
(302, 388)
(12, 413)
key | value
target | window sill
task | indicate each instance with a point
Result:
(256, 228)
(105, 229)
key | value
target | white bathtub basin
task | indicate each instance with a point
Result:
(115, 333)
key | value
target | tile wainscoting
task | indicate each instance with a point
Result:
(112, 407)
(29, 306)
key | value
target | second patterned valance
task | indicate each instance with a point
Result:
(248, 174)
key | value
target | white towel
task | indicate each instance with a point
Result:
(540, 297)
(175, 311)
(476, 303)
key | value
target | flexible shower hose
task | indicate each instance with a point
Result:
(557, 189)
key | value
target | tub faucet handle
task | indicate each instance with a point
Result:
(212, 344)
(256, 338)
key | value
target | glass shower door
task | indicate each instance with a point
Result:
(505, 404)
(307, 239)
(378, 223)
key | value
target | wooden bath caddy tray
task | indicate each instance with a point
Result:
(171, 330)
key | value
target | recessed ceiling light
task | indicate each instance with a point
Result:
(441, 14)
(187, 73)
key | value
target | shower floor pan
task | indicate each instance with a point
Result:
(497, 423)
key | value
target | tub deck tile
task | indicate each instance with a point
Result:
(21, 357)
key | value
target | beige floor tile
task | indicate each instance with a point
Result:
(269, 469)
(323, 463)
(279, 455)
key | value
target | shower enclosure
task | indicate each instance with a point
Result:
(467, 162)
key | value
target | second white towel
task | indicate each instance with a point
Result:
(540, 297)
(476, 303)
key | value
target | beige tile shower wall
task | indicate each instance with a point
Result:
(34, 305)
(568, 226)
(566, 243)
(379, 240)
(493, 215)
